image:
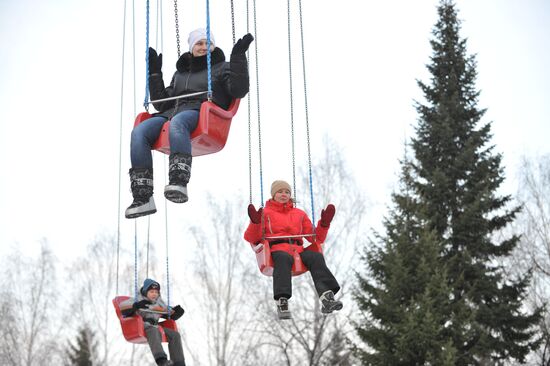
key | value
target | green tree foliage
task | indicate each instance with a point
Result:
(434, 293)
(81, 353)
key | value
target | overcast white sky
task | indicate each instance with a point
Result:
(60, 84)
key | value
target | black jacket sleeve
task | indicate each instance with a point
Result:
(238, 80)
(158, 91)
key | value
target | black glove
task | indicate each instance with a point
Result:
(242, 44)
(155, 62)
(141, 304)
(255, 216)
(178, 312)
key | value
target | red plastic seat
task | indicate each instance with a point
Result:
(210, 135)
(132, 326)
(265, 261)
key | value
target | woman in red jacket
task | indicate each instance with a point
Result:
(281, 218)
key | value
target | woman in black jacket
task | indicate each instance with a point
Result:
(229, 80)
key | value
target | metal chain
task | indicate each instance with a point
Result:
(120, 147)
(249, 115)
(258, 105)
(148, 245)
(208, 53)
(135, 261)
(177, 27)
(306, 114)
(167, 260)
(233, 20)
(291, 100)
(146, 98)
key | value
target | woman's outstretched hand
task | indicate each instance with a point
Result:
(155, 62)
(327, 215)
(242, 44)
(255, 216)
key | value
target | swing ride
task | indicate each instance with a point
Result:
(262, 250)
(132, 326)
(209, 137)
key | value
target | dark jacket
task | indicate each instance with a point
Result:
(229, 80)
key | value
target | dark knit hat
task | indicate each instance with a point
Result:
(149, 284)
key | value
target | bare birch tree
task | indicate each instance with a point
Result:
(228, 287)
(31, 321)
(533, 253)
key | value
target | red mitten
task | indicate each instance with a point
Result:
(327, 214)
(255, 216)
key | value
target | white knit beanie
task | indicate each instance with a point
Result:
(197, 35)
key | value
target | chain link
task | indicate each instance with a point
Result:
(249, 116)
(233, 20)
(291, 100)
(258, 105)
(177, 27)
(306, 114)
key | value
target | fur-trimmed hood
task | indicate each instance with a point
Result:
(188, 63)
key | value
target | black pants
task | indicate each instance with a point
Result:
(323, 279)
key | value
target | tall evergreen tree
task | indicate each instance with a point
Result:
(81, 353)
(436, 294)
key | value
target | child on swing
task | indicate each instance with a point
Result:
(150, 306)
(282, 219)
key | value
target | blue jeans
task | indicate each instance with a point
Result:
(147, 132)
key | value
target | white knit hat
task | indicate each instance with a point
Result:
(197, 35)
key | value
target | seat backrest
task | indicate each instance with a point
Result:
(132, 327)
(265, 261)
(210, 135)
(212, 130)
(116, 302)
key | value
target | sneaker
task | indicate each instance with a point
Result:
(176, 193)
(282, 309)
(141, 208)
(328, 303)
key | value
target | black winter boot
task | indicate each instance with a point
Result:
(142, 191)
(328, 302)
(179, 173)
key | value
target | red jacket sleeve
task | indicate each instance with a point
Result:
(253, 233)
(320, 231)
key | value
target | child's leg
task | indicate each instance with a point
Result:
(155, 341)
(174, 347)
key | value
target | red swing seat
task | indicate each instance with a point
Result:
(265, 261)
(132, 326)
(210, 135)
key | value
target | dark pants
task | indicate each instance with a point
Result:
(323, 279)
(174, 344)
